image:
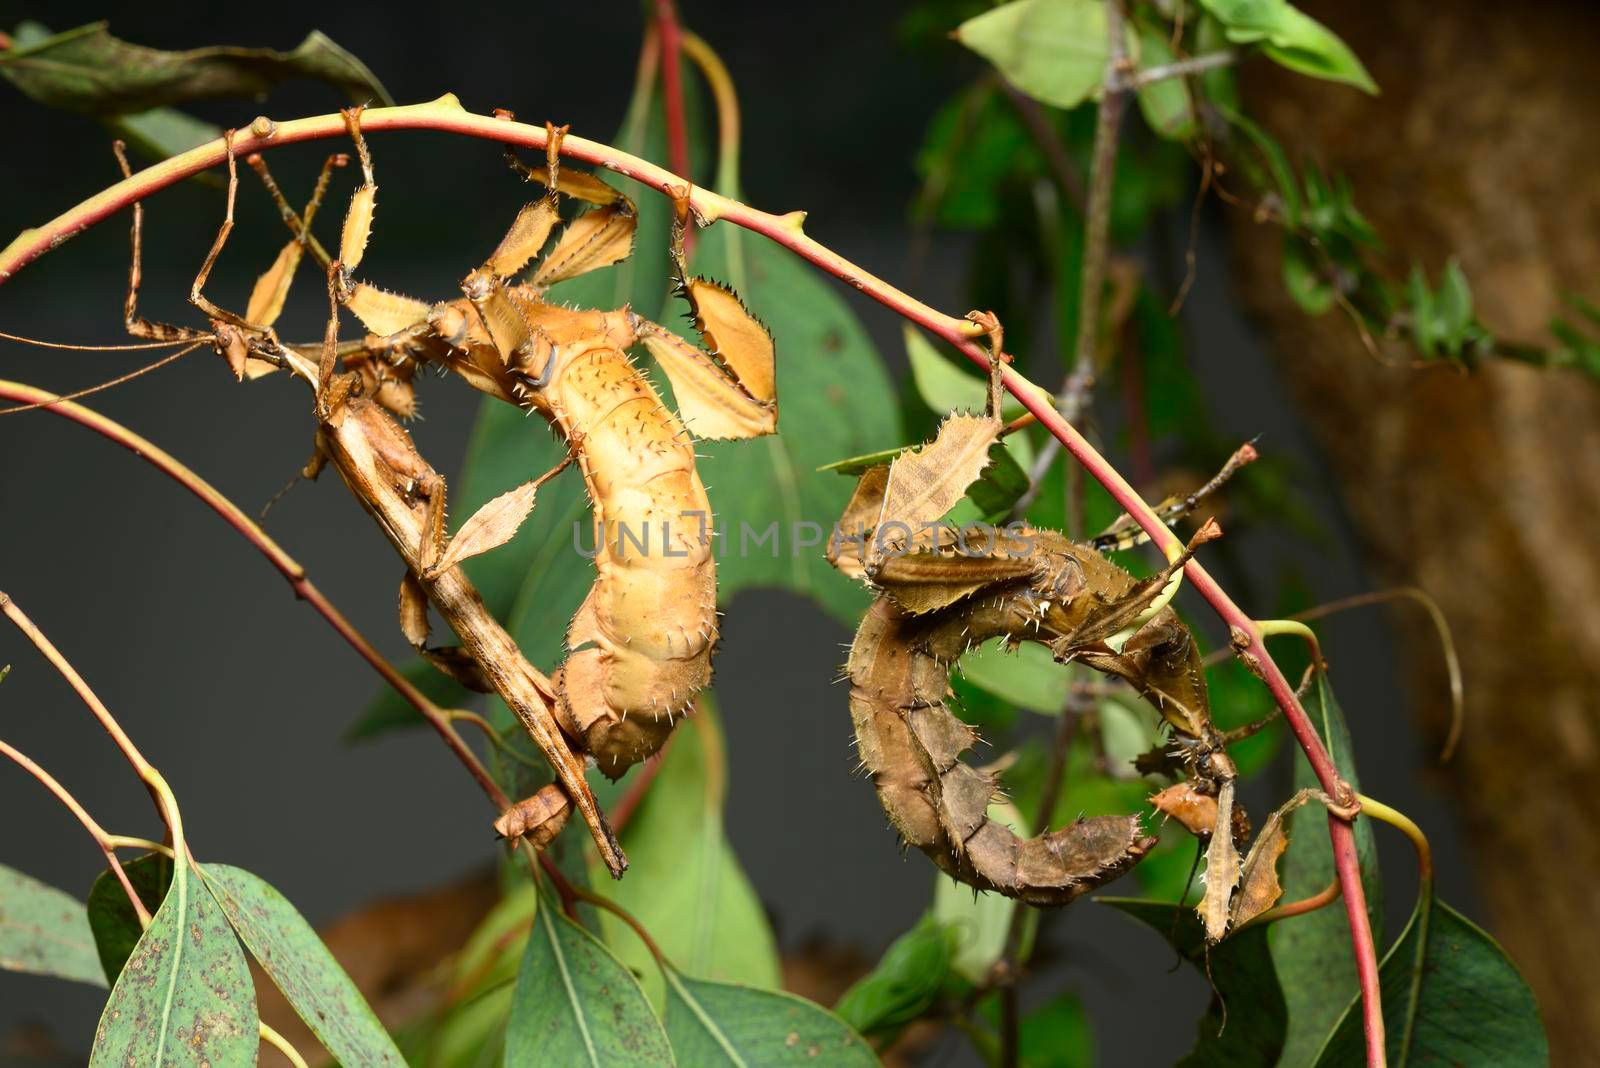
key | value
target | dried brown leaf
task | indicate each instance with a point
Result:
(926, 483)
(272, 288)
(860, 516)
(1222, 868)
(489, 527)
(413, 611)
(1259, 887)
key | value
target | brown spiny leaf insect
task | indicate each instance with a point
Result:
(940, 596)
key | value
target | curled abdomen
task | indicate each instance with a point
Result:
(911, 744)
(641, 643)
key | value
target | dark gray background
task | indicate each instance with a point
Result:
(241, 695)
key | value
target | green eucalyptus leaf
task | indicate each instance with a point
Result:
(185, 996)
(1058, 1034)
(111, 917)
(1026, 677)
(389, 711)
(739, 1026)
(577, 1004)
(684, 884)
(88, 70)
(1246, 995)
(1054, 50)
(302, 968)
(1167, 106)
(905, 983)
(1291, 38)
(1312, 953)
(45, 931)
(1303, 278)
(162, 132)
(1450, 996)
(980, 921)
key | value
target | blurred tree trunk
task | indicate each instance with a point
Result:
(1482, 488)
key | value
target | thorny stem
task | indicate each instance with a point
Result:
(446, 114)
(281, 560)
(108, 843)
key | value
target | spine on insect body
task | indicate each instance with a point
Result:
(641, 643)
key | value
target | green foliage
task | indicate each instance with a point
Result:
(1167, 105)
(389, 711)
(1292, 38)
(1057, 1034)
(44, 931)
(742, 1027)
(906, 983)
(1312, 953)
(1054, 50)
(185, 996)
(684, 882)
(301, 966)
(980, 922)
(1450, 996)
(111, 917)
(1245, 1022)
(132, 88)
(577, 1004)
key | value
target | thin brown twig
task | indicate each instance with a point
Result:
(101, 839)
(285, 564)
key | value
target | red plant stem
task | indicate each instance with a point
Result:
(282, 561)
(672, 86)
(447, 115)
(97, 832)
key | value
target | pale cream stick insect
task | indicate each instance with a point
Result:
(378, 461)
(643, 639)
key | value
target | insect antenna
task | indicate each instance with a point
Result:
(119, 380)
(124, 347)
(1183, 899)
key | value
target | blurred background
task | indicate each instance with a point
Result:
(1481, 487)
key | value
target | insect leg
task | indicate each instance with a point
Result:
(137, 325)
(197, 295)
(300, 223)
